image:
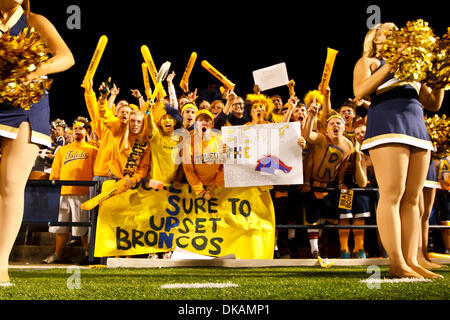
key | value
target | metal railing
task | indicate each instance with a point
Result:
(93, 213)
(340, 226)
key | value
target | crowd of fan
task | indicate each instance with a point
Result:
(305, 204)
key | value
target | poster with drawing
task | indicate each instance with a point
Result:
(262, 155)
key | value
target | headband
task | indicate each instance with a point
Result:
(189, 105)
(205, 112)
(78, 124)
(336, 116)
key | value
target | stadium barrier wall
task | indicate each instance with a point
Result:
(42, 206)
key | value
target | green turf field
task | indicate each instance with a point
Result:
(288, 283)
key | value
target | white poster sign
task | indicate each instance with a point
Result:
(262, 155)
(271, 77)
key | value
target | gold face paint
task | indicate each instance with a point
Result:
(167, 123)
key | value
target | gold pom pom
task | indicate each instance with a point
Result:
(439, 130)
(410, 51)
(20, 55)
(439, 77)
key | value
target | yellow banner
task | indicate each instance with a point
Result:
(238, 221)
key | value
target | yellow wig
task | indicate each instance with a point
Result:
(260, 98)
(313, 94)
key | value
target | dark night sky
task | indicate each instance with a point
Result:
(236, 37)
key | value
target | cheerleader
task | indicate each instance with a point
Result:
(426, 203)
(22, 131)
(399, 147)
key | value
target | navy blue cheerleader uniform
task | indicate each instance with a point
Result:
(39, 114)
(396, 116)
(443, 195)
(431, 181)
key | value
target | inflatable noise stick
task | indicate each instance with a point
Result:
(160, 77)
(151, 66)
(95, 59)
(185, 79)
(146, 79)
(150, 63)
(227, 83)
(222, 90)
(291, 86)
(163, 72)
(95, 201)
(438, 255)
(328, 68)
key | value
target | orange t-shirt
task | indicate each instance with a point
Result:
(205, 165)
(74, 161)
(105, 147)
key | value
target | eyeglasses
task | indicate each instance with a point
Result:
(347, 111)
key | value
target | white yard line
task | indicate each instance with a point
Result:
(198, 285)
(400, 280)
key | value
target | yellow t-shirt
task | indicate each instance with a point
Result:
(163, 153)
(74, 161)
(276, 118)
